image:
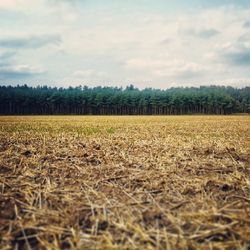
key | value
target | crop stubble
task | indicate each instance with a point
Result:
(124, 182)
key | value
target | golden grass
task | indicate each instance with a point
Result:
(70, 182)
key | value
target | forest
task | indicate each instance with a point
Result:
(83, 100)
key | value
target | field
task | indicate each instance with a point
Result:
(156, 182)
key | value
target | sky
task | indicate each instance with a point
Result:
(148, 43)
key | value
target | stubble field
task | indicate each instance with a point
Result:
(173, 182)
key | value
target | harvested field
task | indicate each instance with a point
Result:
(173, 182)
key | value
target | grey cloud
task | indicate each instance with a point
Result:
(10, 15)
(204, 34)
(18, 71)
(246, 24)
(29, 42)
(166, 41)
(237, 53)
(240, 56)
(9, 69)
(13, 75)
(208, 33)
(244, 38)
(5, 58)
(189, 74)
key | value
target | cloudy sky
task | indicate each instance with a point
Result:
(150, 43)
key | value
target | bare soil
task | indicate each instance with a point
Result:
(70, 182)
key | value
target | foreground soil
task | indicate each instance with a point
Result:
(125, 182)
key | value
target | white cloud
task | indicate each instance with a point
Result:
(105, 43)
(11, 3)
(22, 69)
(20, 5)
(167, 68)
(235, 82)
(89, 73)
(19, 72)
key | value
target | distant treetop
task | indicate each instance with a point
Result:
(84, 100)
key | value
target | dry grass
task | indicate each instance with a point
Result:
(125, 182)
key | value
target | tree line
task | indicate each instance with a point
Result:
(83, 100)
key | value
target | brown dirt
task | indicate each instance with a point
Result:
(125, 182)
